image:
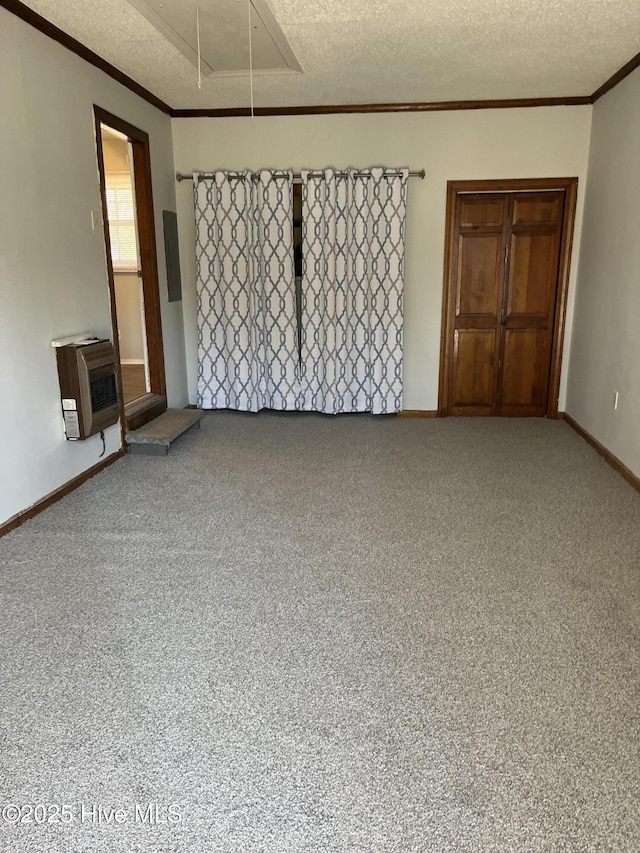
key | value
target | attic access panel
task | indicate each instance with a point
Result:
(224, 34)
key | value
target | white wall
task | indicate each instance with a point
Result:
(512, 143)
(605, 352)
(53, 276)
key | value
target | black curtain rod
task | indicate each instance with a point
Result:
(297, 176)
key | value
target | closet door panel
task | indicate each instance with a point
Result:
(473, 390)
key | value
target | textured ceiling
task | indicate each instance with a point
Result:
(377, 51)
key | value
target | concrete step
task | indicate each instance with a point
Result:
(156, 437)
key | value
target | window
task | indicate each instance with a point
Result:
(122, 224)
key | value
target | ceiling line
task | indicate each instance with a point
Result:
(411, 107)
(48, 29)
(616, 78)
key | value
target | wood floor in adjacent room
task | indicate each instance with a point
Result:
(316, 634)
(134, 383)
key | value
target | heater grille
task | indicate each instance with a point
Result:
(104, 390)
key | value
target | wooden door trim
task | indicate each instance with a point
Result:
(148, 250)
(456, 188)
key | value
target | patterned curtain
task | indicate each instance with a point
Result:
(352, 286)
(247, 327)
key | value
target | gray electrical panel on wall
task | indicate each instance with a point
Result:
(172, 255)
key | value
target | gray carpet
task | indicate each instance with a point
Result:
(329, 634)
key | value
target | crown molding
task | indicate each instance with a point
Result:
(48, 29)
(417, 107)
(616, 78)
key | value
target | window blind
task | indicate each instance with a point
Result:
(122, 224)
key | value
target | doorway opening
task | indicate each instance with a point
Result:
(129, 231)
(507, 254)
(117, 156)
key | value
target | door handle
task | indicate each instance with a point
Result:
(503, 322)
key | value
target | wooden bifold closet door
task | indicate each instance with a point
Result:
(503, 281)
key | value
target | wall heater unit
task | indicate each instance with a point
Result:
(88, 372)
